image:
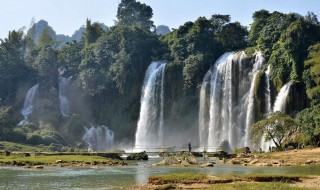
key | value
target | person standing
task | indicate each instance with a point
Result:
(189, 146)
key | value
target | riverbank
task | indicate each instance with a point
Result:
(239, 182)
(298, 157)
(40, 160)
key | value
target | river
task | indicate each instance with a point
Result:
(120, 176)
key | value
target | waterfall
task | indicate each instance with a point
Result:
(150, 124)
(264, 145)
(280, 103)
(28, 104)
(217, 91)
(203, 110)
(98, 138)
(259, 60)
(230, 101)
(268, 91)
(63, 89)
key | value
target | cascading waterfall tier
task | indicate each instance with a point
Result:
(150, 124)
(98, 138)
(259, 60)
(280, 103)
(227, 101)
(63, 89)
(28, 104)
(264, 145)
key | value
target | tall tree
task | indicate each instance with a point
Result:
(12, 65)
(131, 12)
(93, 32)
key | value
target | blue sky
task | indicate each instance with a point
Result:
(65, 16)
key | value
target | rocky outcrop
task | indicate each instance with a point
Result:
(138, 156)
(179, 160)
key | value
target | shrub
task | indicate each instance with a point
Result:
(34, 139)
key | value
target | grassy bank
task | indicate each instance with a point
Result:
(59, 160)
(11, 146)
(250, 181)
(14, 154)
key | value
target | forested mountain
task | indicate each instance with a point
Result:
(106, 69)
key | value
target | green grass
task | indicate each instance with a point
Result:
(11, 146)
(264, 177)
(51, 159)
(189, 178)
(178, 178)
(254, 186)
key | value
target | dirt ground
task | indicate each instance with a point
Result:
(293, 157)
(312, 183)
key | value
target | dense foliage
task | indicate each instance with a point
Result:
(108, 66)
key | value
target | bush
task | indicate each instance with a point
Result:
(47, 140)
(34, 139)
(13, 136)
(54, 148)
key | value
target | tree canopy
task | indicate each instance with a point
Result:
(276, 127)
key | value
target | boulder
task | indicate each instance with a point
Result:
(38, 167)
(138, 156)
(209, 164)
(235, 161)
(252, 162)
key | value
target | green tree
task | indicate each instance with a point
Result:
(13, 69)
(277, 127)
(218, 21)
(69, 57)
(131, 12)
(45, 38)
(93, 32)
(233, 36)
(192, 71)
(312, 18)
(309, 119)
(259, 21)
(46, 66)
(311, 73)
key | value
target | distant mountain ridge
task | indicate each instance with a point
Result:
(61, 39)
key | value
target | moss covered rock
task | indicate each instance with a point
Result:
(138, 156)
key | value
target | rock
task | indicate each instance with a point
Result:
(235, 161)
(260, 164)
(38, 167)
(138, 156)
(185, 163)
(59, 161)
(245, 164)
(209, 164)
(184, 159)
(275, 162)
(268, 164)
(191, 159)
(94, 163)
(309, 162)
(254, 161)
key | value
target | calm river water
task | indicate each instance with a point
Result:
(122, 176)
